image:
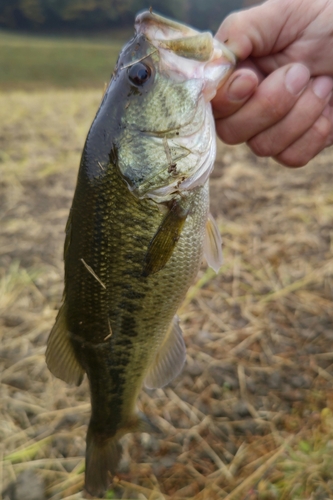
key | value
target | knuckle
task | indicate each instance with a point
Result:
(229, 23)
(322, 128)
(228, 133)
(231, 20)
(275, 107)
(292, 159)
(261, 146)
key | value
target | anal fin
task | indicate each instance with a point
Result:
(169, 360)
(213, 244)
(60, 355)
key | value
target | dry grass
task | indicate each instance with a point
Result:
(251, 415)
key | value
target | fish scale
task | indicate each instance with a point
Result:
(117, 253)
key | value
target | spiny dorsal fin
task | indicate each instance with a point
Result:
(169, 360)
(213, 244)
(60, 355)
(163, 243)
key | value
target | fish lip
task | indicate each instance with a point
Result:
(217, 69)
(148, 17)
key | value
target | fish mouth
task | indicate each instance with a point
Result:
(205, 57)
(183, 40)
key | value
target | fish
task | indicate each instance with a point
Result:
(137, 230)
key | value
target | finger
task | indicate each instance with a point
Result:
(301, 118)
(234, 93)
(245, 32)
(328, 113)
(308, 146)
(268, 64)
(273, 99)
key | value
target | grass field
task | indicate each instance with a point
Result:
(31, 62)
(251, 416)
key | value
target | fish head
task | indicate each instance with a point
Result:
(168, 74)
(187, 54)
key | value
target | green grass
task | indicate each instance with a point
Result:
(37, 62)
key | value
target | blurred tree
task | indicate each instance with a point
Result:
(32, 10)
(209, 14)
(7, 17)
(104, 14)
(93, 10)
(21, 13)
(251, 3)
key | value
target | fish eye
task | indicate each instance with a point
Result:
(139, 73)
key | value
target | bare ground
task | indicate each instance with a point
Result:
(251, 415)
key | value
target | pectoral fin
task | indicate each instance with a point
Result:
(163, 243)
(213, 244)
(169, 360)
(60, 355)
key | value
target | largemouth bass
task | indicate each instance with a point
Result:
(137, 228)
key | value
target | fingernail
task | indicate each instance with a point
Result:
(322, 86)
(242, 86)
(297, 78)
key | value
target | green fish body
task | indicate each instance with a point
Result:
(135, 237)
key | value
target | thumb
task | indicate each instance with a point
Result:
(256, 31)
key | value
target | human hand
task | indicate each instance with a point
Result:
(278, 99)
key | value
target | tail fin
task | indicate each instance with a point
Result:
(103, 453)
(102, 458)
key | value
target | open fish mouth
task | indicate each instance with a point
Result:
(178, 42)
(180, 39)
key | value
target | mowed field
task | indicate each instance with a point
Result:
(34, 63)
(251, 416)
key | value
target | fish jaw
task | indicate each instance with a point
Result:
(187, 53)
